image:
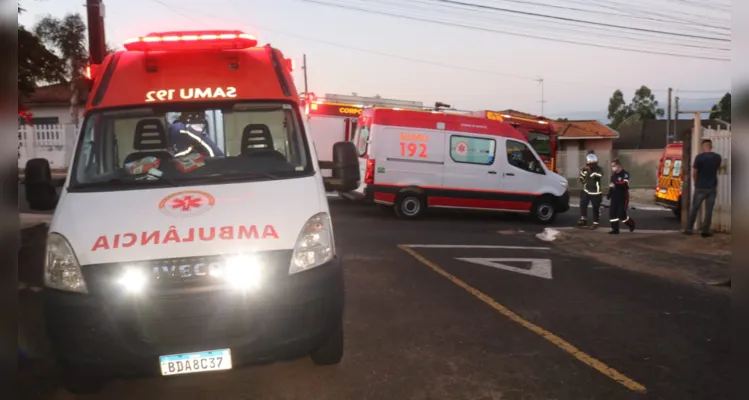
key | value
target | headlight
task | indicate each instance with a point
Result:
(565, 183)
(61, 268)
(315, 244)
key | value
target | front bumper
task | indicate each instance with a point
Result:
(107, 335)
(563, 202)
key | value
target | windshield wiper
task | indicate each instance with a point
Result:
(125, 182)
(237, 176)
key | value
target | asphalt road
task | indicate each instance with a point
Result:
(422, 324)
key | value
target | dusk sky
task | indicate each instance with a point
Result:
(407, 55)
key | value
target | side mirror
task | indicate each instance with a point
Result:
(41, 193)
(346, 176)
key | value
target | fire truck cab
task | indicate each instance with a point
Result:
(193, 232)
(539, 133)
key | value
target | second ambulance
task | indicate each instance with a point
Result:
(414, 160)
(193, 232)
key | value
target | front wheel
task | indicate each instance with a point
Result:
(543, 211)
(331, 352)
(410, 205)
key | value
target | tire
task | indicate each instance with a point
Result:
(40, 194)
(331, 352)
(410, 205)
(543, 211)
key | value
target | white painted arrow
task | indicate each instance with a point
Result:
(540, 267)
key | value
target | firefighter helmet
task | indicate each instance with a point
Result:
(591, 159)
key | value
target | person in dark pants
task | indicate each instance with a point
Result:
(619, 196)
(590, 178)
(705, 177)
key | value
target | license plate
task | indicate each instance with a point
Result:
(214, 360)
(664, 190)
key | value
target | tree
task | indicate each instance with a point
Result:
(618, 110)
(36, 63)
(722, 110)
(643, 106)
(68, 37)
(562, 120)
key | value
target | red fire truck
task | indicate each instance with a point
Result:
(539, 132)
(329, 123)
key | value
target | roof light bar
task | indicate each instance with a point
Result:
(191, 40)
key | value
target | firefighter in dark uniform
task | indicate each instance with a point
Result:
(619, 196)
(592, 193)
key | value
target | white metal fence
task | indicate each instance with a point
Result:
(721, 139)
(53, 142)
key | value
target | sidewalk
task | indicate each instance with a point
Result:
(692, 260)
(638, 205)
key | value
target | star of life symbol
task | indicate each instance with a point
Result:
(461, 148)
(188, 203)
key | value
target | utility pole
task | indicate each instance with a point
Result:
(676, 119)
(97, 44)
(304, 67)
(668, 118)
(541, 81)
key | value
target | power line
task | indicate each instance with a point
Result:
(630, 16)
(405, 58)
(607, 32)
(580, 21)
(612, 47)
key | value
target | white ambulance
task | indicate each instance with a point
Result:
(193, 244)
(413, 160)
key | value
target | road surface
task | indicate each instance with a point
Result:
(474, 306)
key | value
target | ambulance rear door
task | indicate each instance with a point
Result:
(325, 132)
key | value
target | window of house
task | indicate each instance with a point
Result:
(471, 150)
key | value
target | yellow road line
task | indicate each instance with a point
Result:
(556, 340)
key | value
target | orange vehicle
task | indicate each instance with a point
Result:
(538, 132)
(670, 183)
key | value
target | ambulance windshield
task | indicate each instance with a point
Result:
(186, 146)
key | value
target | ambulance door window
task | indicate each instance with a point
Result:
(471, 150)
(519, 155)
(676, 170)
(666, 167)
(362, 140)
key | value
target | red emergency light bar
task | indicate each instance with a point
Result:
(191, 40)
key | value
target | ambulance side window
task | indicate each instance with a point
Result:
(361, 140)
(666, 167)
(471, 150)
(676, 169)
(519, 155)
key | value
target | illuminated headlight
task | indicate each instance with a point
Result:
(315, 244)
(242, 272)
(133, 280)
(61, 268)
(565, 183)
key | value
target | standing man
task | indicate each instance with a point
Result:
(590, 178)
(619, 196)
(705, 177)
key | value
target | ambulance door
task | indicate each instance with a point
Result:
(470, 163)
(522, 171)
(325, 132)
(408, 156)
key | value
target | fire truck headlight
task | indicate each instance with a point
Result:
(314, 246)
(243, 272)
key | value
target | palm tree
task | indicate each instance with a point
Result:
(68, 37)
